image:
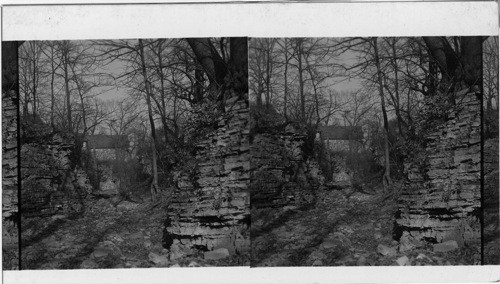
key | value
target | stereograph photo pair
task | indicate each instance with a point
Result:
(250, 151)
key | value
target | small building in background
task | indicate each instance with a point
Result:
(109, 154)
(107, 147)
(341, 138)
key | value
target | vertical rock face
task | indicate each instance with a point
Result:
(10, 98)
(277, 167)
(9, 179)
(9, 154)
(49, 185)
(211, 208)
(441, 199)
(280, 172)
(491, 202)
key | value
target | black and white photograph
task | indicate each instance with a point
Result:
(367, 151)
(134, 153)
(250, 142)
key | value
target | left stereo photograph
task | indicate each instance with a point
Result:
(125, 153)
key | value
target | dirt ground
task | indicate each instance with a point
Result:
(343, 228)
(126, 236)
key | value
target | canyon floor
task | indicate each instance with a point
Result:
(124, 235)
(342, 228)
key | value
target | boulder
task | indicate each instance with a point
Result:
(403, 261)
(193, 264)
(385, 250)
(106, 248)
(159, 260)
(101, 252)
(216, 254)
(445, 246)
(405, 245)
(317, 262)
(175, 252)
(361, 261)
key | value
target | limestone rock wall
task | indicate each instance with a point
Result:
(441, 198)
(491, 203)
(211, 209)
(281, 175)
(9, 179)
(9, 156)
(10, 99)
(49, 184)
(275, 158)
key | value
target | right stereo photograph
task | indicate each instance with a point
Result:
(374, 151)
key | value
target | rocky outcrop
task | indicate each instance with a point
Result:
(210, 207)
(10, 99)
(491, 237)
(280, 173)
(441, 198)
(9, 182)
(50, 185)
(9, 156)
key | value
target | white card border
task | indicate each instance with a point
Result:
(255, 20)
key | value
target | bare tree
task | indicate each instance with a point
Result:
(459, 67)
(50, 52)
(387, 174)
(490, 60)
(154, 183)
(30, 71)
(357, 107)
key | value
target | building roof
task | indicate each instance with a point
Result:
(332, 132)
(107, 141)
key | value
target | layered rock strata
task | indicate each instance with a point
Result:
(210, 209)
(491, 237)
(280, 173)
(10, 99)
(9, 155)
(49, 183)
(441, 199)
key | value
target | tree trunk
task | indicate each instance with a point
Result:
(154, 183)
(433, 75)
(269, 69)
(315, 89)
(285, 99)
(34, 78)
(268, 76)
(52, 95)
(163, 112)
(25, 106)
(396, 89)
(212, 63)
(238, 64)
(446, 59)
(82, 102)
(68, 93)
(301, 82)
(387, 174)
(198, 85)
(471, 58)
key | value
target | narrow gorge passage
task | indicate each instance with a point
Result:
(344, 228)
(126, 235)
